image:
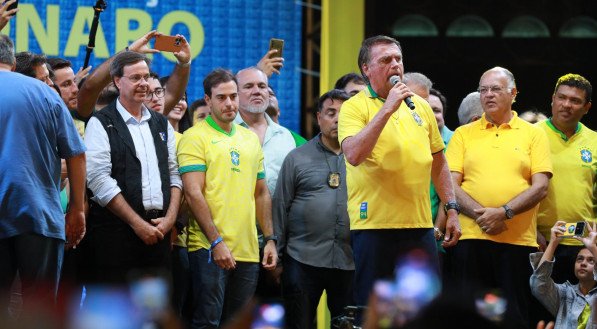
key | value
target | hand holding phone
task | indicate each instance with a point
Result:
(167, 43)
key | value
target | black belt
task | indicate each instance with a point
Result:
(153, 213)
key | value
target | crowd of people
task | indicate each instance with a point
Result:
(113, 175)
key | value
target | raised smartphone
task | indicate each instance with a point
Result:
(575, 229)
(277, 44)
(167, 43)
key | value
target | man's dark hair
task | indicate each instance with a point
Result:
(347, 78)
(157, 77)
(198, 103)
(123, 59)
(57, 63)
(365, 51)
(217, 77)
(7, 50)
(337, 94)
(576, 81)
(441, 97)
(28, 61)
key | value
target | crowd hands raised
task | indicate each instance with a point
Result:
(219, 202)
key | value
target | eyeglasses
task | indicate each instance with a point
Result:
(158, 92)
(494, 89)
(137, 77)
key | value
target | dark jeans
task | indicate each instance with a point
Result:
(181, 284)
(481, 266)
(219, 294)
(302, 286)
(376, 253)
(38, 259)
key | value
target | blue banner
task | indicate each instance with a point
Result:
(227, 33)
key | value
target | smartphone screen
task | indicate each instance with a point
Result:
(277, 44)
(167, 43)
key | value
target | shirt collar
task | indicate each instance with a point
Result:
(559, 132)
(127, 116)
(210, 121)
(271, 125)
(323, 147)
(372, 94)
(514, 122)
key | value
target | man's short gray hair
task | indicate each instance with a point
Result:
(7, 50)
(470, 108)
(419, 79)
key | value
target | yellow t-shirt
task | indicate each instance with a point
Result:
(232, 164)
(390, 189)
(571, 194)
(497, 164)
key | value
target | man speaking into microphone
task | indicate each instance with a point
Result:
(392, 151)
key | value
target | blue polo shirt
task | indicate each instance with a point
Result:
(36, 132)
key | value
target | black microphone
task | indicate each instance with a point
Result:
(394, 79)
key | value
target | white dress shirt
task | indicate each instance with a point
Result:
(99, 167)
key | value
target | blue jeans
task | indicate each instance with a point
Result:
(38, 259)
(376, 253)
(218, 294)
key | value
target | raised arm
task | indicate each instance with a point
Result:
(179, 78)
(100, 77)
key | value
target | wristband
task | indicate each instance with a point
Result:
(213, 245)
(187, 64)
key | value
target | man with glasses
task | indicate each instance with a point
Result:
(134, 182)
(501, 167)
(155, 94)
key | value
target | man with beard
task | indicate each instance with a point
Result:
(221, 164)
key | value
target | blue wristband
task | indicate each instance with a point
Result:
(213, 245)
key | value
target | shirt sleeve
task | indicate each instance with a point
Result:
(261, 168)
(191, 153)
(542, 285)
(281, 201)
(351, 119)
(99, 165)
(455, 152)
(540, 153)
(175, 180)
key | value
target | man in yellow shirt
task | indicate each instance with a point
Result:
(391, 151)
(221, 164)
(501, 168)
(571, 194)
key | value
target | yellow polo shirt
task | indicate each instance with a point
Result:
(571, 195)
(497, 164)
(232, 164)
(390, 189)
